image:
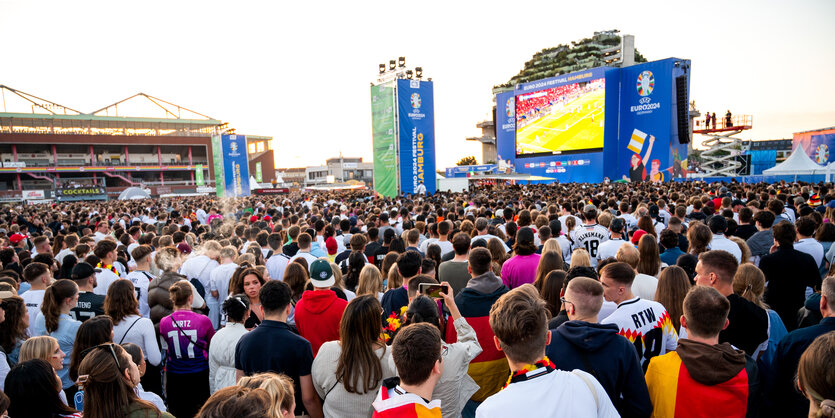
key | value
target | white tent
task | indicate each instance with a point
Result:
(797, 164)
(134, 193)
(253, 184)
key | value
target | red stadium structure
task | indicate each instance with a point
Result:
(46, 147)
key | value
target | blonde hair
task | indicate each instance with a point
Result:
(245, 258)
(370, 281)
(743, 246)
(37, 348)
(628, 254)
(337, 275)
(749, 282)
(278, 386)
(395, 280)
(580, 258)
(551, 245)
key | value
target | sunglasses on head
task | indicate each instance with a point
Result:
(104, 346)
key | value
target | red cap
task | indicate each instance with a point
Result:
(15, 238)
(253, 219)
(637, 236)
(267, 217)
(332, 246)
(184, 248)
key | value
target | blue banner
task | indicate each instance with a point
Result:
(235, 165)
(506, 127)
(417, 135)
(648, 143)
(462, 170)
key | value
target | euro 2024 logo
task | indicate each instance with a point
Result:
(415, 99)
(511, 107)
(646, 83)
(822, 154)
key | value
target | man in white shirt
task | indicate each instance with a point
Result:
(565, 244)
(643, 322)
(591, 235)
(41, 245)
(219, 281)
(433, 238)
(481, 225)
(443, 238)
(718, 225)
(70, 241)
(105, 250)
(304, 241)
(200, 265)
(278, 261)
(643, 285)
(520, 326)
(805, 243)
(421, 189)
(201, 216)
(102, 229)
(626, 216)
(610, 248)
(39, 276)
(141, 277)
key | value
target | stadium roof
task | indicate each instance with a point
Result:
(49, 117)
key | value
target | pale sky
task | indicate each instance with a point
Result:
(300, 71)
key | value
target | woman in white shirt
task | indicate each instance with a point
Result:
(348, 373)
(128, 327)
(222, 350)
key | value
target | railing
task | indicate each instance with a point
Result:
(740, 122)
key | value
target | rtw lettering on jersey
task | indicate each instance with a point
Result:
(644, 317)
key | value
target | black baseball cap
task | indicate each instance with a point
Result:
(82, 271)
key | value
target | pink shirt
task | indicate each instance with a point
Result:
(520, 269)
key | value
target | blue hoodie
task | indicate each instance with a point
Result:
(609, 357)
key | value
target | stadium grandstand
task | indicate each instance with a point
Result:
(138, 141)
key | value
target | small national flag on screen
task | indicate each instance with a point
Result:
(637, 141)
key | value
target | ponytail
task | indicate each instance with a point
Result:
(54, 296)
(179, 293)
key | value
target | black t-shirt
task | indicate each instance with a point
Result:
(89, 305)
(290, 249)
(380, 255)
(393, 300)
(371, 251)
(748, 325)
(273, 347)
(745, 231)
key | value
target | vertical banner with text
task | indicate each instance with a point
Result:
(383, 136)
(417, 135)
(217, 160)
(235, 166)
(259, 177)
(198, 175)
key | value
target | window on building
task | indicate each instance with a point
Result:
(350, 174)
(259, 146)
(252, 148)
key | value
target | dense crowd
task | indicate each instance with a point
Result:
(635, 300)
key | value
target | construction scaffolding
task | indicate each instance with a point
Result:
(719, 160)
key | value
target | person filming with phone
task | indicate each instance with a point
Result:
(455, 385)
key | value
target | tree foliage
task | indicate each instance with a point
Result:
(467, 161)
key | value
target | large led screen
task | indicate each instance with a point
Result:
(561, 120)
